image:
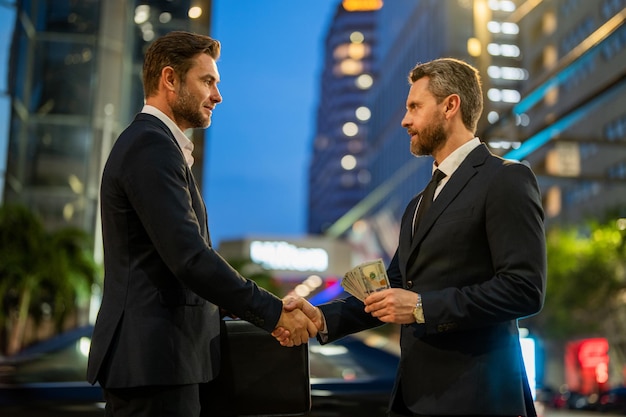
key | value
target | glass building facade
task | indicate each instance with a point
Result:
(74, 83)
(553, 82)
(339, 174)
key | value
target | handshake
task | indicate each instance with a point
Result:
(298, 322)
(301, 320)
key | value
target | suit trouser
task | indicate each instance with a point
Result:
(153, 401)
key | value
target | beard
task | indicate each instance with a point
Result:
(429, 139)
(186, 108)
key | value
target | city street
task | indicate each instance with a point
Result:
(571, 413)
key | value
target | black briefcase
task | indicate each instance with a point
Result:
(258, 376)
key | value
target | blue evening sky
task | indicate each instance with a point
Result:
(258, 147)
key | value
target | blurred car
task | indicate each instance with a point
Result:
(348, 377)
(48, 379)
(613, 400)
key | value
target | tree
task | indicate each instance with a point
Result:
(585, 294)
(42, 272)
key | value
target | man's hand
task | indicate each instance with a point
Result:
(393, 305)
(298, 305)
(298, 326)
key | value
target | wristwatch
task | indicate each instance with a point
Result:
(418, 311)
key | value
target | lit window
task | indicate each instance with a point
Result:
(348, 162)
(357, 37)
(507, 73)
(493, 27)
(503, 5)
(364, 81)
(493, 117)
(363, 113)
(350, 129)
(350, 67)
(511, 96)
(509, 28)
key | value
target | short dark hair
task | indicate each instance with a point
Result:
(175, 49)
(452, 76)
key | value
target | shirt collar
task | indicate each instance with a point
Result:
(186, 145)
(454, 160)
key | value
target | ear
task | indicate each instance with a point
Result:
(452, 105)
(169, 78)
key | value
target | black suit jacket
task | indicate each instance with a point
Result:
(479, 261)
(159, 319)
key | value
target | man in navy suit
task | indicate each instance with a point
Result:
(465, 270)
(157, 333)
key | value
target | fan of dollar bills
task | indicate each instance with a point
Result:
(365, 279)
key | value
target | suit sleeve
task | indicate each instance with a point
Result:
(156, 184)
(347, 316)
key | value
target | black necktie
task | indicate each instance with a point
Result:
(427, 197)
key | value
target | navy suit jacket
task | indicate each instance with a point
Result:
(478, 259)
(159, 322)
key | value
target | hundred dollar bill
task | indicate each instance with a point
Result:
(366, 278)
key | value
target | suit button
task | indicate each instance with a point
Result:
(409, 285)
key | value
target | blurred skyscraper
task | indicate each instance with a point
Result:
(74, 82)
(339, 173)
(571, 117)
(553, 79)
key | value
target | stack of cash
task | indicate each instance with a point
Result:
(365, 279)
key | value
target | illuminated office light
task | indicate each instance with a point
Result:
(350, 129)
(474, 47)
(494, 95)
(494, 72)
(165, 17)
(522, 119)
(508, 50)
(341, 51)
(142, 14)
(493, 117)
(504, 95)
(147, 34)
(363, 113)
(511, 96)
(504, 144)
(507, 73)
(509, 28)
(550, 56)
(194, 12)
(358, 50)
(549, 23)
(493, 27)
(350, 67)
(355, 51)
(348, 162)
(364, 81)
(493, 49)
(502, 5)
(357, 37)
(362, 5)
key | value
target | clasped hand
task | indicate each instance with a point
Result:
(393, 305)
(299, 321)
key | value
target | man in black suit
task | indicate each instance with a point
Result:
(465, 270)
(165, 288)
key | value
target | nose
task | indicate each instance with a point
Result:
(216, 97)
(405, 121)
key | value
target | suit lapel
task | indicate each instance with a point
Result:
(197, 202)
(453, 187)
